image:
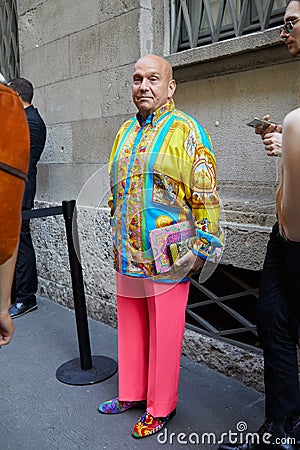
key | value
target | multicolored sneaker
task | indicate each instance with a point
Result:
(116, 406)
(148, 424)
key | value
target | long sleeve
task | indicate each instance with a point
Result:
(162, 171)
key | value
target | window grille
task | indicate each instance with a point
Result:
(9, 48)
(224, 306)
(195, 23)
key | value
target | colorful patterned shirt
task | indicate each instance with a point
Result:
(162, 171)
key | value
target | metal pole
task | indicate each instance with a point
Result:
(70, 217)
(87, 369)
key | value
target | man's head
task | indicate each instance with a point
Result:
(153, 84)
(291, 30)
(24, 88)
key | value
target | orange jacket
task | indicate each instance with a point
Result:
(14, 159)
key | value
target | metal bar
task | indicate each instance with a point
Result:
(42, 212)
(211, 295)
(210, 20)
(175, 40)
(220, 18)
(198, 17)
(247, 347)
(213, 299)
(173, 20)
(241, 23)
(238, 331)
(69, 213)
(236, 295)
(204, 289)
(187, 21)
(239, 282)
(260, 13)
(237, 316)
(9, 49)
(234, 16)
(268, 14)
(203, 322)
(226, 308)
(243, 17)
(220, 299)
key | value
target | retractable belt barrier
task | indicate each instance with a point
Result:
(86, 369)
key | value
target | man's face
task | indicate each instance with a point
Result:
(292, 40)
(152, 84)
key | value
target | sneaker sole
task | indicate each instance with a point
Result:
(25, 312)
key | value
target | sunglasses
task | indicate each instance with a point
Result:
(288, 26)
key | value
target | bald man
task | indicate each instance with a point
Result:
(163, 172)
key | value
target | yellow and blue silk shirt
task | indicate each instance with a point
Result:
(162, 171)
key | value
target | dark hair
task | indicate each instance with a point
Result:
(23, 87)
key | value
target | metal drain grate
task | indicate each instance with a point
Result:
(224, 306)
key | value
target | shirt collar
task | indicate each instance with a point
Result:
(157, 114)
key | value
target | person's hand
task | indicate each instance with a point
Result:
(273, 143)
(6, 328)
(271, 137)
(189, 262)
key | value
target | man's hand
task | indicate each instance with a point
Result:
(6, 328)
(271, 137)
(273, 143)
(189, 263)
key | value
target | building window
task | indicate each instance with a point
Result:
(195, 23)
(9, 47)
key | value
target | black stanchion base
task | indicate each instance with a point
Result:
(71, 372)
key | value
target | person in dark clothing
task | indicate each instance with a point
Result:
(14, 161)
(26, 282)
(278, 308)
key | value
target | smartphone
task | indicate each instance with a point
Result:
(255, 122)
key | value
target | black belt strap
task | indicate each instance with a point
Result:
(13, 171)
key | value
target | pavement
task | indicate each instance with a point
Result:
(39, 412)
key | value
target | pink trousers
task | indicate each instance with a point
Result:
(151, 320)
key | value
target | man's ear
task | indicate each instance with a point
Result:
(172, 88)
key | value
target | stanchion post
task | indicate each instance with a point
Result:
(70, 217)
(87, 369)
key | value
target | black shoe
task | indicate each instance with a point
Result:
(245, 446)
(287, 444)
(264, 428)
(296, 429)
(19, 309)
(279, 436)
(283, 432)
